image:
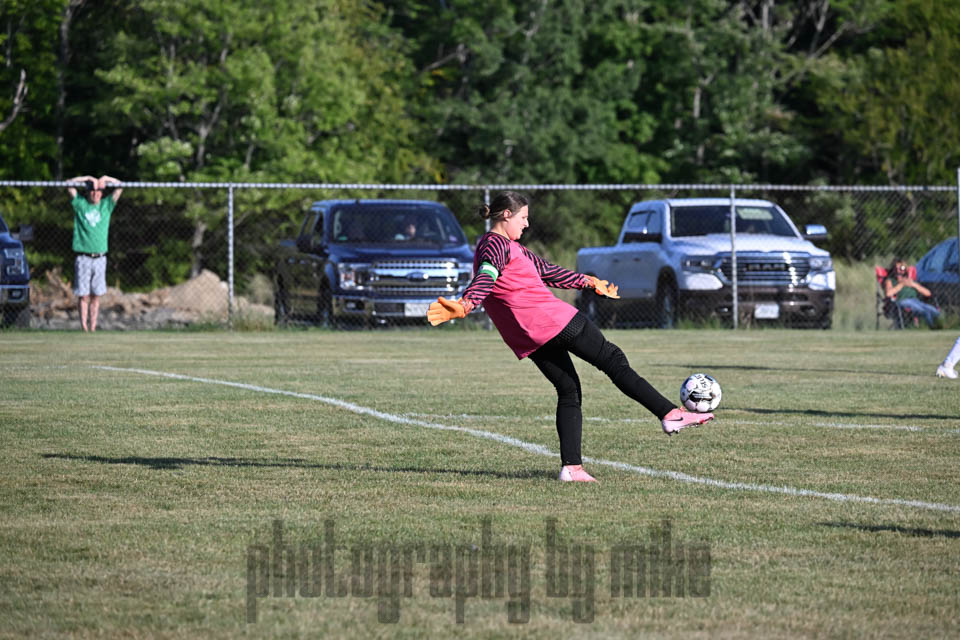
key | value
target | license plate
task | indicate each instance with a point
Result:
(766, 312)
(415, 309)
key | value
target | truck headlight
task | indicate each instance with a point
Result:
(352, 275)
(821, 263)
(14, 255)
(699, 263)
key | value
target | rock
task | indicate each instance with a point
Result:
(205, 293)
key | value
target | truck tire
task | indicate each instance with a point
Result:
(825, 321)
(324, 317)
(666, 305)
(19, 318)
(591, 307)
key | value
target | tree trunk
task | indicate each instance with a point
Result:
(199, 228)
(65, 55)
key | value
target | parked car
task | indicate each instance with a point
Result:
(673, 258)
(359, 262)
(14, 277)
(938, 271)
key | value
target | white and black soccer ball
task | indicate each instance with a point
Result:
(700, 393)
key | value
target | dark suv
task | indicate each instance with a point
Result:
(14, 278)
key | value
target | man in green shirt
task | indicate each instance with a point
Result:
(91, 223)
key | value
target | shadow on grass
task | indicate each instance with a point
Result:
(166, 464)
(892, 528)
(749, 367)
(843, 414)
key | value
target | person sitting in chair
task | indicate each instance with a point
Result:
(899, 287)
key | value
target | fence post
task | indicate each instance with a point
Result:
(486, 201)
(487, 322)
(733, 256)
(230, 255)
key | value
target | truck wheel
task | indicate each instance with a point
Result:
(590, 305)
(281, 305)
(325, 308)
(666, 306)
(19, 318)
(825, 321)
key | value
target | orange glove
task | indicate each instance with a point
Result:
(604, 288)
(443, 310)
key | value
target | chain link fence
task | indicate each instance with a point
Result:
(218, 254)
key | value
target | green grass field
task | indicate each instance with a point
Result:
(145, 476)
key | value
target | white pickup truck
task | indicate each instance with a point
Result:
(673, 259)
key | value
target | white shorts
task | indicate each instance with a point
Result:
(90, 275)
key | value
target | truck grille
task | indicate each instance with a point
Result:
(427, 278)
(767, 269)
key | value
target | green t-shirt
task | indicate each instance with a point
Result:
(90, 224)
(905, 292)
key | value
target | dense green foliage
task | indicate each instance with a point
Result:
(454, 91)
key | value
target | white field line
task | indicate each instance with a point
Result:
(544, 451)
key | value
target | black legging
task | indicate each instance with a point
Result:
(583, 339)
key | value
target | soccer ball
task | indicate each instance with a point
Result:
(700, 393)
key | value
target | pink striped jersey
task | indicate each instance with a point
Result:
(511, 283)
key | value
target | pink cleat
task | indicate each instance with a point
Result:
(575, 473)
(680, 419)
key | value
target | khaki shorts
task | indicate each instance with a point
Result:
(90, 275)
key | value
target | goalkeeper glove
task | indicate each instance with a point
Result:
(443, 310)
(604, 288)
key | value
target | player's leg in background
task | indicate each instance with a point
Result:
(948, 368)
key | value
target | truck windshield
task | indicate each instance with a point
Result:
(395, 225)
(705, 219)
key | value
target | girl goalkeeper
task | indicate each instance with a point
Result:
(511, 282)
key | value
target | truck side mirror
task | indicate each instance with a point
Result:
(642, 236)
(304, 244)
(815, 232)
(25, 233)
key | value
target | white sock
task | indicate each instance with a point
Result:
(953, 357)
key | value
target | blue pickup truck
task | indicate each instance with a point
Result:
(368, 262)
(14, 278)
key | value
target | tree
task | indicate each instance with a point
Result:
(894, 104)
(19, 94)
(66, 53)
(27, 84)
(301, 89)
(527, 91)
(249, 91)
